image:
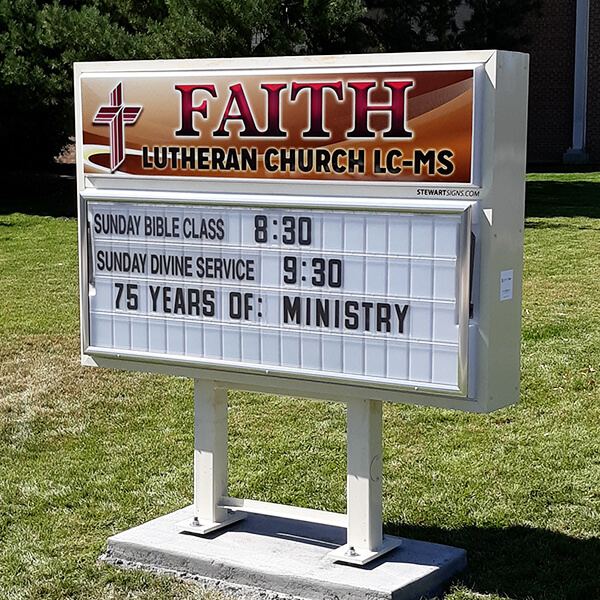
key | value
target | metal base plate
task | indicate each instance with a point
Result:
(199, 527)
(361, 556)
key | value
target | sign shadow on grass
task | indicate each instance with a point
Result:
(562, 199)
(50, 194)
(520, 562)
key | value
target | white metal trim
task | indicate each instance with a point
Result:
(241, 368)
(280, 200)
(271, 509)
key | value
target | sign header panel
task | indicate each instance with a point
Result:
(381, 125)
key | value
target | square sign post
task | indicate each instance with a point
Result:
(344, 228)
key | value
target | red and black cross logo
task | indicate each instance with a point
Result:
(117, 115)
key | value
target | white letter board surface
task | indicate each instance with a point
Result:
(317, 293)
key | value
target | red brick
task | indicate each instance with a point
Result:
(552, 63)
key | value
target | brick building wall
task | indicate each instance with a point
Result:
(593, 96)
(551, 48)
(552, 60)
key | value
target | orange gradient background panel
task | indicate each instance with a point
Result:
(438, 113)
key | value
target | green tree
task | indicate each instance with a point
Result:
(414, 25)
(40, 40)
(395, 26)
(38, 45)
(497, 23)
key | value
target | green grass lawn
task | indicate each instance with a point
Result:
(86, 453)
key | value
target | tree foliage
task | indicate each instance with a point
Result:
(497, 23)
(38, 45)
(40, 40)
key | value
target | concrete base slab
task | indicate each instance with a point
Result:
(283, 558)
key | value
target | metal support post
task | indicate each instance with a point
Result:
(210, 459)
(365, 540)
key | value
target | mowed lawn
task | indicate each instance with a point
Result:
(86, 453)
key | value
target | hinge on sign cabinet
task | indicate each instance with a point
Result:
(471, 270)
(90, 256)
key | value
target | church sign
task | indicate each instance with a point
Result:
(342, 222)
